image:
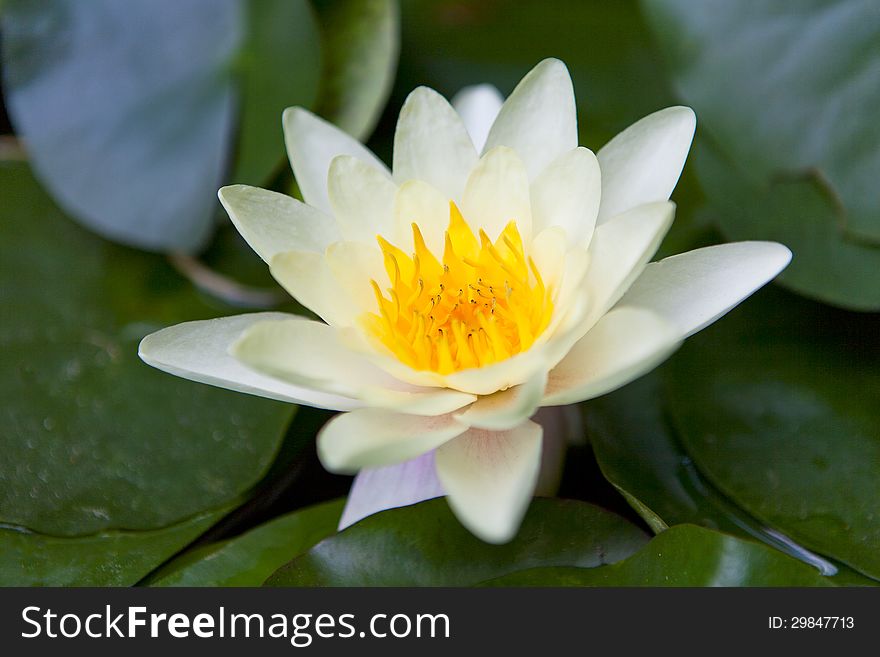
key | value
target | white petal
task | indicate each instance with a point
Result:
(693, 289)
(362, 198)
(548, 250)
(418, 202)
(499, 376)
(312, 354)
(354, 265)
(567, 194)
(391, 486)
(508, 408)
(432, 144)
(307, 277)
(272, 223)
(643, 163)
(497, 192)
(371, 437)
(539, 119)
(198, 351)
(478, 107)
(625, 344)
(489, 478)
(570, 291)
(312, 143)
(620, 250)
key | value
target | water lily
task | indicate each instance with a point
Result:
(497, 268)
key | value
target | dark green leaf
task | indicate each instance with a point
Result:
(424, 545)
(92, 438)
(249, 559)
(106, 559)
(361, 39)
(793, 153)
(640, 454)
(777, 405)
(684, 555)
(279, 66)
(125, 108)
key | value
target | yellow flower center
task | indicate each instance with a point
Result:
(483, 303)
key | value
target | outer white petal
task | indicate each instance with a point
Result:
(371, 437)
(272, 223)
(391, 486)
(432, 144)
(539, 119)
(308, 278)
(362, 198)
(508, 408)
(625, 344)
(420, 203)
(497, 192)
(198, 351)
(489, 478)
(620, 250)
(693, 289)
(478, 107)
(642, 164)
(312, 354)
(312, 143)
(567, 194)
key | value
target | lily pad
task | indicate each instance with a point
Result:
(279, 66)
(684, 555)
(247, 560)
(93, 439)
(160, 87)
(111, 558)
(790, 148)
(361, 40)
(125, 109)
(777, 405)
(641, 455)
(424, 545)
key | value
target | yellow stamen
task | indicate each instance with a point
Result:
(482, 303)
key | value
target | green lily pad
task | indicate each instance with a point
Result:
(126, 108)
(361, 39)
(247, 560)
(424, 545)
(790, 149)
(640, 454)
(114, 558)
(684, 555)
(279, 66)
(160, 87)
(93, 439)
(777, 405)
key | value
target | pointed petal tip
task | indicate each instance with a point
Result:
(295, 113)
(778, 256)
(551, 64)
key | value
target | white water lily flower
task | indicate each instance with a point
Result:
(467, 287)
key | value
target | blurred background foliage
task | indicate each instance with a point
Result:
(753, 454)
